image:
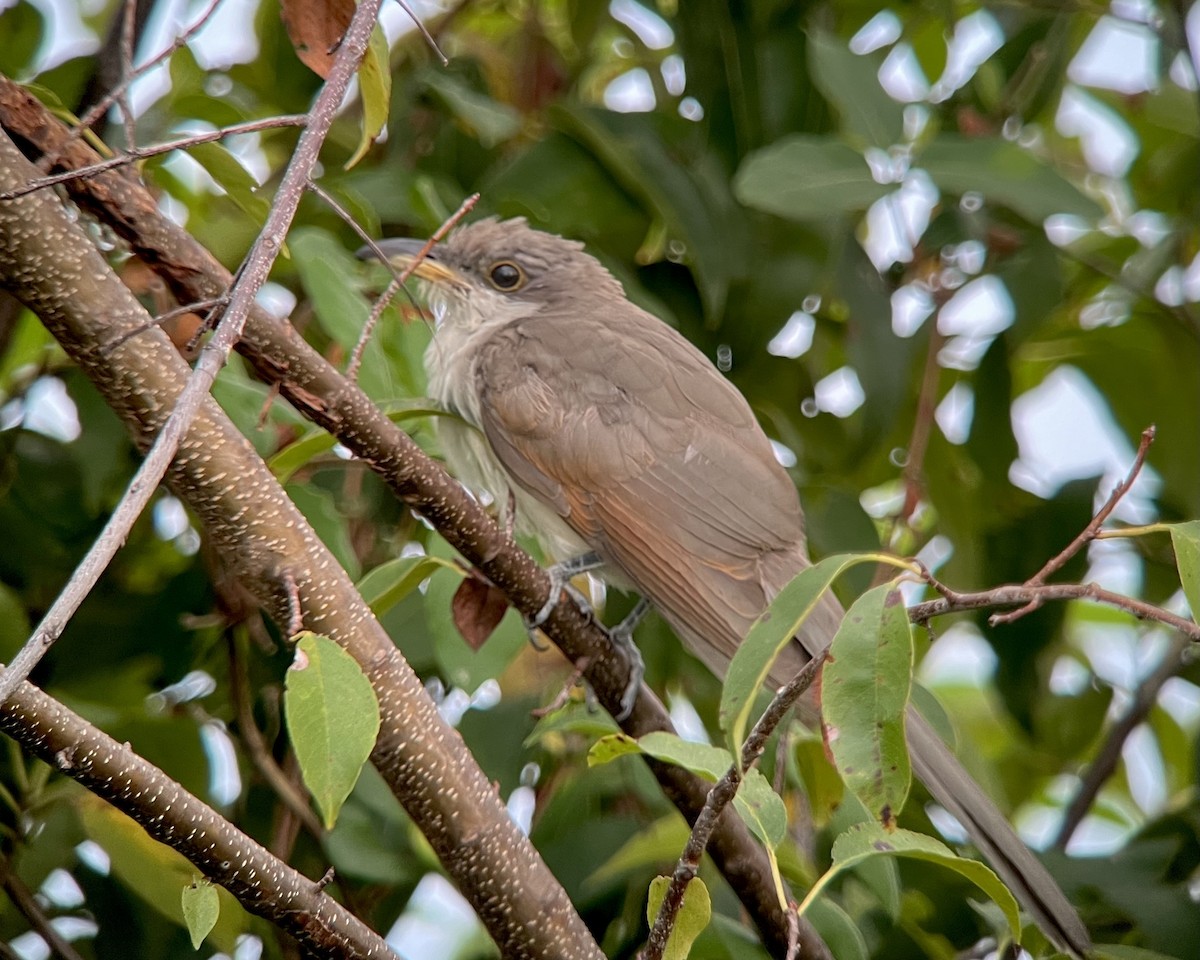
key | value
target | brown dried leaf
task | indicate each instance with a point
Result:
(316, 28)
(477, 607)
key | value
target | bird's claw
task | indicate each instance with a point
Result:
(622, 638)
(560, 582)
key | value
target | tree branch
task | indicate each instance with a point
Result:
(267, 543)
(719, 797)
(1109, 755)
(254, 271)
(1088, 534)
(320, 393)
(25, 902)
(1014, 595)
(264, 885)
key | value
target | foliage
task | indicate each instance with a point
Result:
(763, 205)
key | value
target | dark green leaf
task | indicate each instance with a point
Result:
(392, 581)
(233, 178)
(807, 178)
(491, 121)
(851, 84)
(1004, 173)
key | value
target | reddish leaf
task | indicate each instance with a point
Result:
(316, 27)
(477, 607)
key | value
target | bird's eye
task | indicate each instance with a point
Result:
(506, 275)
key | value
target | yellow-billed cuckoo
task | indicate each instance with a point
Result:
(617, 437)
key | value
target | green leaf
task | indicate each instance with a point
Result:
(1125, 951)
(839, 931)
(865, 687)
(1004, 173)
(930, 46)
(153, 871)
(393, 580)
(333, 719)
(658, 843)
(328, 521)
(491, 121)
(326, 269)
(805, 177)
(694, 914)
(375, 84)
(201, 908)
(234, 179)
(574, 718)
(850, 82)
(691, 200)
(1185, 538)
(771, 632)
(755, 801)
(23, 27)
(867, 840)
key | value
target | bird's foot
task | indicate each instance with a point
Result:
(560, 582)
(622, 638)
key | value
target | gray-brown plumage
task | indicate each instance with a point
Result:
(617, 436)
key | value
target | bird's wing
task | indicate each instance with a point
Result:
(648, 453)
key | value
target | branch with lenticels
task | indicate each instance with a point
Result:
(328, 398)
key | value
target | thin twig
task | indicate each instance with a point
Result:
(158, 321)
(425, 33)
(23, 899)
(1016, 594)
(793, 921)
(564, 693)
(1087, 535)
(128, 36)
(1092, 529)
(141, 153)
(918, 443)
(241, 298)
(348, 218)
(718, 799)
(397, 282)
(1109, 755)
(101, 106)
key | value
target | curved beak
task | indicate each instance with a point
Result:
(402, 252)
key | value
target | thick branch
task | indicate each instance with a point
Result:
(268, 545)
(320, 393)
(254, 271)
(264, 885)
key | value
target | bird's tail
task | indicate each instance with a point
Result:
(950, 785)
(948, 781)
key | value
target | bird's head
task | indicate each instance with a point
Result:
(498, 270)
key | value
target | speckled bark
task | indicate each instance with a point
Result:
(48, 262)
(264, 884)
(319, 392)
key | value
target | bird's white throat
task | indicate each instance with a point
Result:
(462, 327)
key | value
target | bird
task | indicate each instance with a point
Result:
(620, 445)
